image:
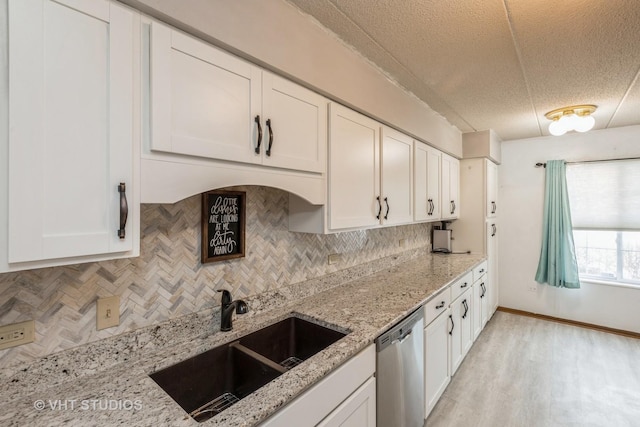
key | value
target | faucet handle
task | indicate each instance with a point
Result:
(226, 297)
(241, 307)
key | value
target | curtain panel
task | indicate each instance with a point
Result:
(557, 265)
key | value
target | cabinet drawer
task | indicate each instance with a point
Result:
(461, 285)
(479, 270)
(437, 305)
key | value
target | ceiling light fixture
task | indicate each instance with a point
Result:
(575, 117)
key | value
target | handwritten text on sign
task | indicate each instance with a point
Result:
(223, 213)
(223, 223)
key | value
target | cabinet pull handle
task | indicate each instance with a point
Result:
(386, 201)
(464, 285)
(494, 207)
(484, 290)
(453, 207)
(431, 208)
(270, 138)
(124, 209)
(466, 309)
(481, 271)
(257, 120)
(494, 230)
(379, 207)
(453, 325)
(439, 306)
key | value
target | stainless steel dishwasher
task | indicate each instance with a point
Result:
(400, 374)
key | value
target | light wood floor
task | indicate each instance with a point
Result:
(530, 372)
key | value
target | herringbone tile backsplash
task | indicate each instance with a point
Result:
(168, 280)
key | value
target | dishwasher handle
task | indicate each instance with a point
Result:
(402, 338)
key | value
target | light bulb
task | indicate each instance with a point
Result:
(585, 123)
(572, 121)
(556, 128)
(565, 122)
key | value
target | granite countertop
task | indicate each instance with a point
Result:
(107, 382)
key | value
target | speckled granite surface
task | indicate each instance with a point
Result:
(107, 383)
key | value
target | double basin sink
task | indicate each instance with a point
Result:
(210, 382)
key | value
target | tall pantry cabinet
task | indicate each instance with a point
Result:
(478, 226)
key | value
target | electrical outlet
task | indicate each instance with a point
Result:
(334, 258)
(108, 312)
(17, 334)
(402, 243)
(532, 288)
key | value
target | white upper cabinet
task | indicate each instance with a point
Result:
(450, 187)
(354, 170)
(426, 182)
(370, 178)
(208, 103)
(397, 177)
(296, 125)
(72, 139)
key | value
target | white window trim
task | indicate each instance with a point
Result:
(608, 283)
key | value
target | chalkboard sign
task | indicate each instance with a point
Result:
(223, 225)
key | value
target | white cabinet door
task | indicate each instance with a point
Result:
(426, 182)
(492, 268)
(455, 336)
(436, 356)
(354, 172)
(492, 188)
(397, 177)
(204, 102)
(479, 294)
(208, 103)
(450, 187)
(340, 393)
(433, 182)
(295, 121)
(71, 84)
(481, 305)
(466, 321)
(359, 410)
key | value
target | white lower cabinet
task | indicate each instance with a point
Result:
(436, 360)
(454, 319)
(359, 410)
(461, 333)
(345, 397)
(480, 305)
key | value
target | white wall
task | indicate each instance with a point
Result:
(279, 37)
(521, 199)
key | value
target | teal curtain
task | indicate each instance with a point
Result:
(557, 266)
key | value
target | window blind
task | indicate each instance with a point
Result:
(605, 195)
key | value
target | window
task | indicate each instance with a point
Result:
(607, 255)
(605, 212)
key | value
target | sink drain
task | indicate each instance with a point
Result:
(290, 362)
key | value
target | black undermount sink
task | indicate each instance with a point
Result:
(208, 383)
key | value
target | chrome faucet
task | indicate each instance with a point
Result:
(226, 311)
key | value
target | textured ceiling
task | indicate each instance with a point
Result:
(500, 64)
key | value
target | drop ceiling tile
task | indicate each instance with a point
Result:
(578, 52)
(500, 64)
